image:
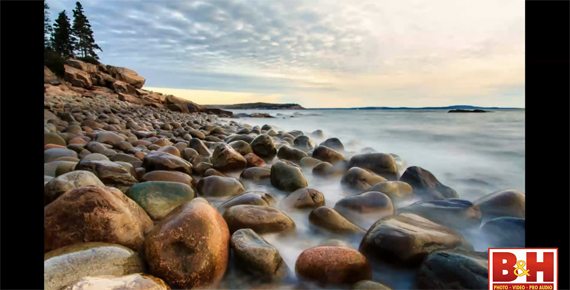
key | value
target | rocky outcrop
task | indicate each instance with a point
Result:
(116, 83)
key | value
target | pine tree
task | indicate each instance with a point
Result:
(47, 26)
(61, 39)
(85, 43)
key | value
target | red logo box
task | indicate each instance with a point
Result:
(523, 269)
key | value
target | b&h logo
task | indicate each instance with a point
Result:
(523, 269)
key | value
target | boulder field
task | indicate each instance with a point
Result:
(148, 191)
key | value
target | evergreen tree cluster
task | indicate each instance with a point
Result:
(69, 40)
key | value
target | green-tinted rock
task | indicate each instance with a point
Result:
(54, 153)
(158, 198)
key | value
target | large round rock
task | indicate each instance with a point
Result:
(502, 203)
(54, 153)
(304, 143)
(457, 214)
(425, 185)
(109, 282)
(292, 154)
(263, 146)
(158, 198)
(302, 198)
(261, 219)
(255, 255)
(172, 176)
(406, 239)
(327, 154)
(165, 161)
(327, 265)
(95, 214)
(225, 158)
(110, 173)
(504, 232)
(398, 191)
(366, 208)
(287, 176)
(219, 186)
(63, 183)
(380, 163)
(252, 198)
(360, 179)
(66, 265)
(189, 248)
(329, 220)
(454, 270)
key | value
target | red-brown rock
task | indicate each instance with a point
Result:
(95, 214)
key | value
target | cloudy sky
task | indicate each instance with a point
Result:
(318, 53)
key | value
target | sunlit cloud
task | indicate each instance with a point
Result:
(319, 53)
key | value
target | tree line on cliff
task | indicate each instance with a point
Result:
(64, 39)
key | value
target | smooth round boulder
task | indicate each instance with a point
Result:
(110, 282)
(110, 173)
(199, 146)
(502, 203)
(189, 248)
(241, 147)
(68, 181)
(309, 162)
(108, 137)
(448, 269)
(318, 134)
(54, 153)
(287, 176)
(225, 159)
(457, 214)
(202, 167)
(65, 167)
(95, 157)
(406, 239)
(359, 179)
(256, 174)
(333, 143)
(212, 171)
(263, 146)
(425, 185)
(258, 257)
(302, 198)
(250, 197)
(172, 176)
(292, 154)
(218, 186)
(66, 265)
(379, 163)
(327, 265)
(327, 154)
(170, 149)
(166, 161)
(188, 153)
(53, 138)
(329, 220)
(398, 191)
(504, 232)
(95, 214)
(366, 208)
(304, 143)
(370, 285)
(254, 160)
(158, 198)
(261, 219)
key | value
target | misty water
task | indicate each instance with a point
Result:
(473, 153)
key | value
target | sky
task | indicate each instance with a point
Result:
(318, 53)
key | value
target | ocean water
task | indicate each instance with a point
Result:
(475, 154)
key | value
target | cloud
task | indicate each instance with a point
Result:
(367, 51)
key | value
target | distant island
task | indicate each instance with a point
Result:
(258, 106)
(456, 107)
(467, 111)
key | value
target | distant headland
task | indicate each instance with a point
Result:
(259, 106)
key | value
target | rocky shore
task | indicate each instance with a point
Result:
(157, 193)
